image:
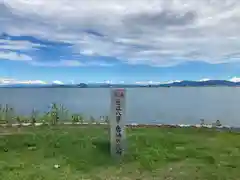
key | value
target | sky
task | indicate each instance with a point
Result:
(119, 41)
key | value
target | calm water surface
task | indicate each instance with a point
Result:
(144, 105)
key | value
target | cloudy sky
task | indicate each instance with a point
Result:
(119, 40)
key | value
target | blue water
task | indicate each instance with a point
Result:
(186, 105)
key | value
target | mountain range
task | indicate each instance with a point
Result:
(108, 85)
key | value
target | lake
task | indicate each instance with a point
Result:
(175, 105)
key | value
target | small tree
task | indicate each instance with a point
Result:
(54, 114)
(75, 118)
(19, 121)
(8, 116)
(33, 117)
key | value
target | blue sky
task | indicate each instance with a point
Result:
(117, 41)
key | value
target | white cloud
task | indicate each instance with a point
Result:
(147, 82)
(235, 79)
(68, 63)
(97, 63)
(204, 79)
(13, 56)
(14, 81)
(31, 82)
(171, 81)
(107, 82)
(154, 32)
(7, 44)
(57, 82)
(6, 80)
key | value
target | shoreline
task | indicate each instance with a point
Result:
(131, 125)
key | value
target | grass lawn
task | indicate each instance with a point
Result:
(83, 153)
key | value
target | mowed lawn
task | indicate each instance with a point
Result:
(83, 153)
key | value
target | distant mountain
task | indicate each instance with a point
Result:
(201, 83)
(82, 85)
(107, 85)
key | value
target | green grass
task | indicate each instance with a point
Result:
(56, 114)
(30, 153)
